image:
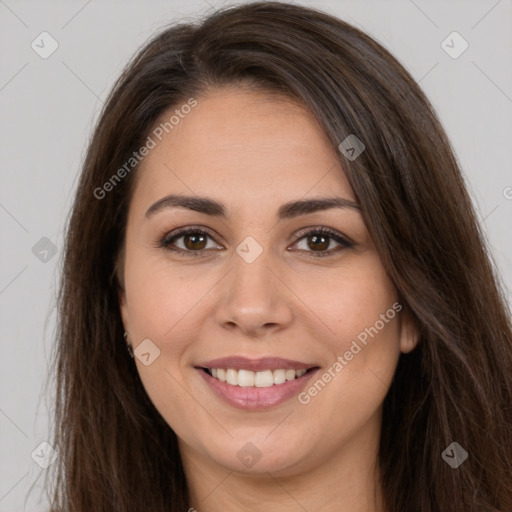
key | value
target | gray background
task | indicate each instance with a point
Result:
(48, 107)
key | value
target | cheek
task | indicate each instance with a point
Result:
(349, 302)
(160, 302)
(362, 338)
(163, 307)
(159, 297)
(362, 313)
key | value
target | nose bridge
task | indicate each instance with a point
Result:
(252, 277)
(254, 297)
(251, 280)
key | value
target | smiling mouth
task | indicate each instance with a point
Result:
(260, 379)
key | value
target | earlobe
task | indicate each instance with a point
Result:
(409, 333)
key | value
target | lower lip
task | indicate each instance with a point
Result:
(252, 398)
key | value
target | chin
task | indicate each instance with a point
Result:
(260, 456)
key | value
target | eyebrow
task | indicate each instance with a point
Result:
(214, 208)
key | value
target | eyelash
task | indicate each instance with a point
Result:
(168, 239)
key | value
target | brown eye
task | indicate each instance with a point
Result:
(188, 240)
(195, 241)
(317, 242)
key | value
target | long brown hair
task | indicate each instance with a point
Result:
(115, 450)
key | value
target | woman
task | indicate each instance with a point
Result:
(275, 290)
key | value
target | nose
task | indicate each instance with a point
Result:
(254, 298)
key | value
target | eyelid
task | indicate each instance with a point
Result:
(333, 233)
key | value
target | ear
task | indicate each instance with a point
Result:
(121, 291)
(409, 332)
(123, 307)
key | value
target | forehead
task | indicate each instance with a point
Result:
(237, 143)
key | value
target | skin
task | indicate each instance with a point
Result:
(254, 152)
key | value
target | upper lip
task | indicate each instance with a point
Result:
(255, 365)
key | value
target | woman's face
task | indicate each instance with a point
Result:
(259, 286)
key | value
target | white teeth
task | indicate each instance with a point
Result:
(290, 374)
(248, 378)
(279, 376)
(264, 379)
(232, 377)
(245, 378)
